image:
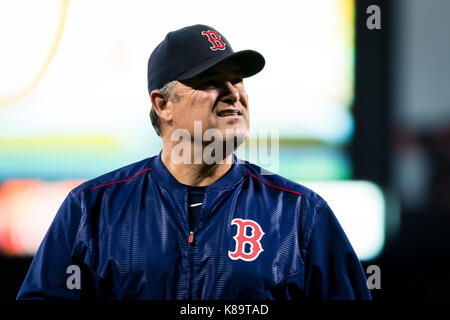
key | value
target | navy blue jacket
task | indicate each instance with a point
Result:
(258, 237)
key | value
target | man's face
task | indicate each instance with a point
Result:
(217, 98)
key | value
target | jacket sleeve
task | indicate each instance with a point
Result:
(332, 269)
(54, 272)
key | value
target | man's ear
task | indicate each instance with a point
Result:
(160, 105)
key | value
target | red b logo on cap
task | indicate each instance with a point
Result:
(215, 39)
(241, 239)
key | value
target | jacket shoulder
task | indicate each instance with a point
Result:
(116, 176)
(281, 183)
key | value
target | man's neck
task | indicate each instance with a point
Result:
(195, 174)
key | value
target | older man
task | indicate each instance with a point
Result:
(194, 222)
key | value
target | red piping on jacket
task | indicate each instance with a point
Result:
(106, 184)
(281, 188)
(273, 185)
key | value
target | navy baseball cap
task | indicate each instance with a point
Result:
(189, 51)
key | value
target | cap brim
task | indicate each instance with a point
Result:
(249, 61)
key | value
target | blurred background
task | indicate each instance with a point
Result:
(360, 115)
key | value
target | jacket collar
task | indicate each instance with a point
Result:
(228, 181)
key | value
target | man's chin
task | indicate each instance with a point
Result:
(238, 131)
(236, 136)
(224, 144)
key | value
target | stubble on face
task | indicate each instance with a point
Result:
(218, 99)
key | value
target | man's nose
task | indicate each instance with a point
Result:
(230, 93)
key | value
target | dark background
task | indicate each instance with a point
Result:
(402, 140)
(402, 143)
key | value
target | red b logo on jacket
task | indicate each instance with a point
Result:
(241, 239)
(215, 39)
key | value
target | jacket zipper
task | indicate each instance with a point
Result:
(191, 254)
(191, 242)
(191, 263)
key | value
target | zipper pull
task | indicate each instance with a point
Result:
(191, 237)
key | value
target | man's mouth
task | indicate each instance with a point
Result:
(229, 113)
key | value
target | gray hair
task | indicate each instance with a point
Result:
(168, 92)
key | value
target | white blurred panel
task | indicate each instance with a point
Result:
(359, 207)
(85, 63)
